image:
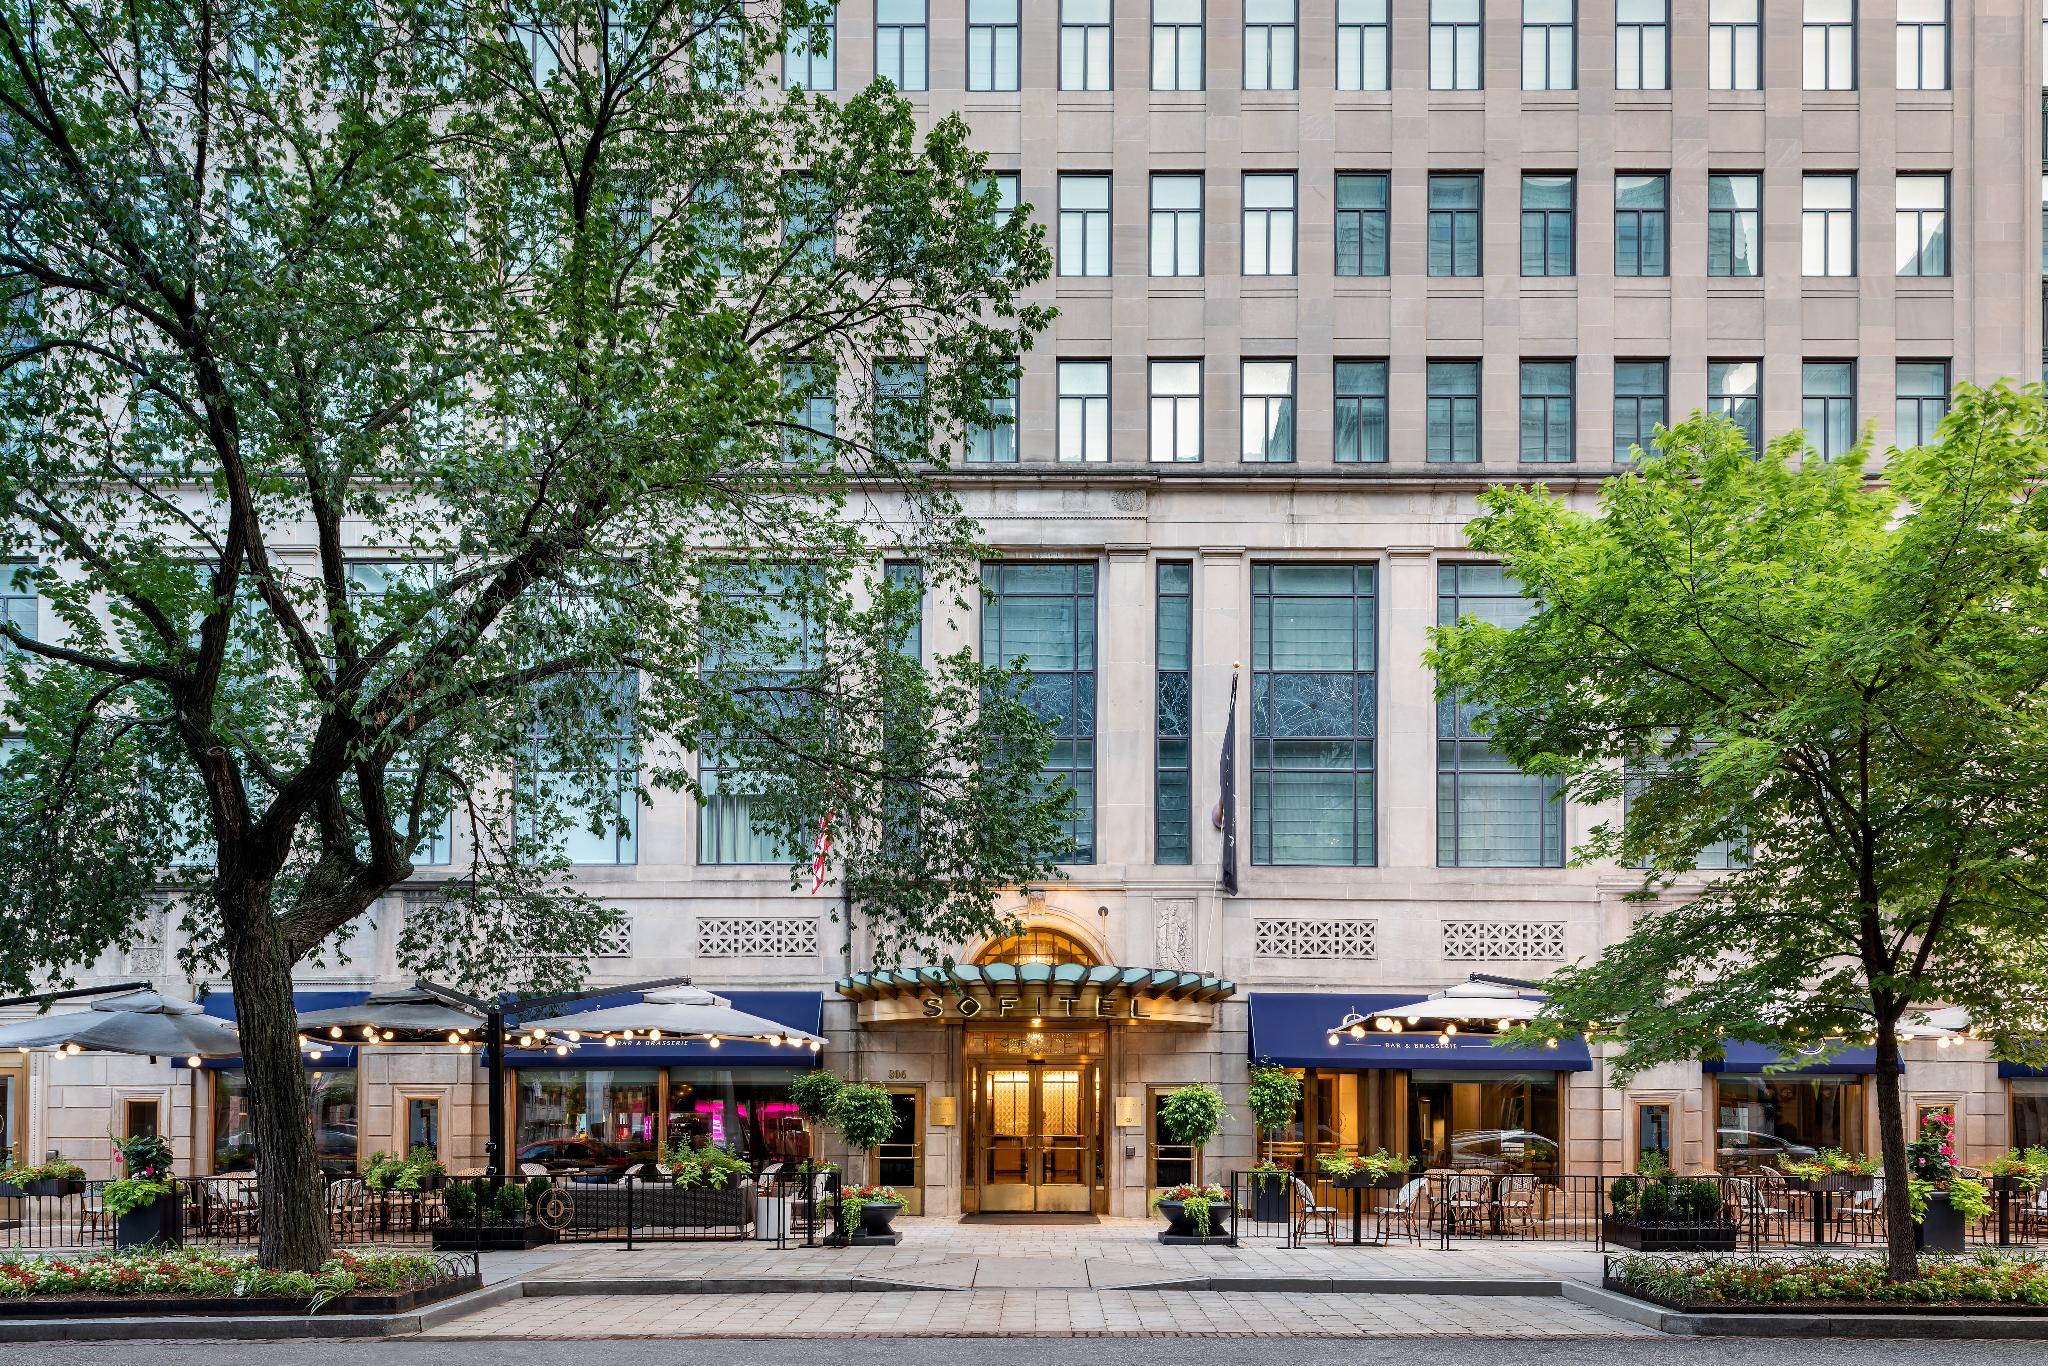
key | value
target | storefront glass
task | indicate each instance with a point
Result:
(1760, 1118)
(334, 1120)
(1485, 1121)
(586, 1117)
(2030, 1112)
(744, 1109)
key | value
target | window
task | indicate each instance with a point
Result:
(1830, 44)
(1548, 60)
(1173, 663)
(19, 602)
(580, 794)
(331, 1098)
(1642, 224)
(1489, 814)
(2029, 1112)
(814, 421)
(1176, 44)
(809, 236)
(1547, 224)
(1923, 45)
(1547, 411)
(1177, 224)
(1734, 224)
(1734, 392)
(1453, 412)
(1453, 225)
(905, 578)
(1314, 639)
(1827, 225)
(1084, 44)
(2044, 225)
(1176, 410)
(718, 55)
(1639, 405)
(1269, 44)
(1653, 1130)
(1528, 1100)
(1364, 52)
(1642, 45)
(1005, 185)
(902, 431)
(1268, 411)
(810, 55)
(1167, 1163)
(1360, 415)
(902, 40)
(1734, 44)
(1454, 45)
(1922, 401)
(772, 654)
(992, 44)
(721, 232)
(140, 1116)
(1045, 614)
(996, 442)
(1760, 1115)
(1828, 405)
(1362, 224)
(423, 1123)
(389, 595)
(1922, 224)
(1084, 225)
(1269, 225)
(537, 42)
(570, 1117)
(1084, 410)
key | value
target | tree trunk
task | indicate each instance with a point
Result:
(1902, 1258)
(292, 1226)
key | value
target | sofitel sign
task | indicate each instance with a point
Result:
(1028, 1007)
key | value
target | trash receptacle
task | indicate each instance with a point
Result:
(771, 1217)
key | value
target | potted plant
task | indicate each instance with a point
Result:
(505, 1217)
(865, 1213)
(57, 1177)
(1190, 1115)
(1944, 1201)
(1194, 1214)
(712, 1185)
(2018, 1171)
(1657, 1211)
(813, 1093)
(143, 1200)
(865, 1117)
(1378, 1170)
(1273, 1097)
(1830, 1170)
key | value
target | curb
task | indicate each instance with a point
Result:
(257, 1328)
(1925, 1327)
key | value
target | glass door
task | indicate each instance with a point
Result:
(1037, 1137)
(1004, 1109)
(1062, 1168)
(900, 1161)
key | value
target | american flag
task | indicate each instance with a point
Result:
(820, 848)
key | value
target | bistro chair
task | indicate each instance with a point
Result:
(532, 1169)
(1471, 1199)
(1862, 1214)
(1310, 1212)
(1754, 1212)
(1516, 1200)
(1406, 1211)
(348, 1200)
(2030, 1215)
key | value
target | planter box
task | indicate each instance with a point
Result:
(1180, 1228)
(10, 1191)
(2011, 1185)
(1713, 1235)
(1360, 1181)
(155, 1224)
(1272, 1198)
(1833, 1185)
(55, 1189)
(1943, 1228)
(1916, 1309)
(160, 1306)
(490, 1238)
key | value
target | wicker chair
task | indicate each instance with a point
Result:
(1309, 1212)
(1471, 1198)
(1516, 1200)
(348, 1202)
(1408, 1211)
(1756, 1212)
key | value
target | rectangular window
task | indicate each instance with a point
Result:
(2044, 225)
(19, 601)
(1269, 224)
(902, 42)
(1549, 49)
(772, 655)
(1642, 45)
(810, 55)
(1547, 224)
(1268, 411)
(813, 420)
(1453, 412)
(1923, 45)
(1044, 614)
(1315, 631)
(1084, 411)
(1084, 44)
(581, 804)
(1269, 44)
(1359, 412)
(1176, 417)
(1084, 225)
(1176, 44)
(1455, 49)
(809, 234)
(423, 1123)
(1173, 680)
(996, 442)
(1922, 401)
(1006, 187)
(1639, 405)
(1653, 1131)
(1734, 224)
(1453, 225)
(140, 1116)
(1827, 225)
(1734, 391)
(902, 431)
(1642, 224)
(1362, 223)
(992, 29)
(1830, 38)
(1364, 51)
(1547, 412)
(1177, 224)
(1734, 44)
(1489, 814)
(331, 1100)
(1828, 405)
(1167, 1163)
(1922, 231)
(383, 594)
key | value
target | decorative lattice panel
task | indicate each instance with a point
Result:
(616, 941)
(1278, 937)
(1472, 941)
(757, 936)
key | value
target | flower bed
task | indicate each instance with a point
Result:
(205, 1280)
(1987, 1282)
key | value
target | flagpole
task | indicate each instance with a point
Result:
(1226, 784)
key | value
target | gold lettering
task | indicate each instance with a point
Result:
(1102, 1007)
(1066, 1005)
(1003, 1004)
(1136, 1013)
(969, 1006)
(933, 1007)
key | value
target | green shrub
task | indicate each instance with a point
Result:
(461, 1199)
(1698, 1199)
(535, 1189)
(1274, 1094)
(509, 1205)
(1654, 1201)
(1625, 1196)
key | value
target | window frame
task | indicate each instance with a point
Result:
(1175, 33)
(1834, 408)
(1917, 44)
(1461, 410)
(1362, 398)
(1923, 429)
(1461, 222)
(992, 31)
(1546, 222)
(1549, 31)
(1167, 675)
(1744, 42)
(1153, 398)
(1831, 221)
(1154, 212)
(1086, 37)
(1642, 218)
(1354, 47)
(1093, 411)
(1751, 219)
(923, 29)
(1086, 671)
(1358, 219)
(1454, 34)
(1827, 34)
(792, 54)
(1089, 228)
(1288, 412)
(1637, 401)
(1270, 31)
(1548, 402)
(1919, 217)
(1637, 31)
(1288, 216)
(1721, 399)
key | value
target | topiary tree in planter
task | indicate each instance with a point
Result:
(813, 1094)
(1274, 1095)
(1192, 1115)
(865, 1116)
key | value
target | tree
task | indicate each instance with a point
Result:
(1839, 674)
(422, 422)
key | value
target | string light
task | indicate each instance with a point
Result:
(192, 1061)
(1450, 1031)
(716, 1041)
(73, 1049)
(454, 1037)
(817, 1044)
(575, 1036)
(462, 1048)
(334, 1031)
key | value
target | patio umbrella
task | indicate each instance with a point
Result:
(680, 1013)
(1485, 1003)
(142, 1022)
(399, 1015)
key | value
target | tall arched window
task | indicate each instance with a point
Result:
(1037, 944)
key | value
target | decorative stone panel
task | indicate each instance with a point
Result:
(616, 941)
(1306, 937)
(1518, 941)
(1173, 934)
(757, 936)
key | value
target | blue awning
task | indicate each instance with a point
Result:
(2008, 1070)
(803, 1010)
(1755, 1057)
(1293, 1030)
(221, 1005)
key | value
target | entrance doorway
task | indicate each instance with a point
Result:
(1037, 1135)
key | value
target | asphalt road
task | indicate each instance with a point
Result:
(1064, 1351)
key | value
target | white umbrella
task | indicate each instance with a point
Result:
(141, 1022)
(1484, 1002)
(400, 1015)
(680, 1013)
